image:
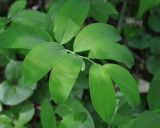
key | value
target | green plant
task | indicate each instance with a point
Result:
(75, 56)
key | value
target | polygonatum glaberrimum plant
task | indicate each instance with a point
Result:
(62, 43)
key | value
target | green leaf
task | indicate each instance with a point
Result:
(80, 85)
(16, 7)
(126, 125)
(13, 91)
(82, 81)
(5, 121)
(153, 64)
(73, 120)
(5, 55)
(153, 94)
(100, 39)
(13, 71)
(120, 120)
(51, 16)
(14, 94)
(141, 41)
(113, 51)
(153, 22)
(24, 115)
(94, 35)
(155, 46)
(64, 76)
(40, 60)
(127, 84)
(3, 21)
(124, 109)
(23, 37)
(147, 119)
(41, 93)
(69, 19)
(30, 18)
(101, 10)
(102, 92)
(47, 115)
(124, 113)
(73, 105)
(145, 5)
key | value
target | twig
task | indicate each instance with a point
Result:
(86, 58)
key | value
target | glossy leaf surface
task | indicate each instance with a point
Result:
(127, 84)
(153, 94)
(41, 58)
(64, 76)
(69, 19)
(23, 37)
(100, 40)
(47, 115)
(102, 92)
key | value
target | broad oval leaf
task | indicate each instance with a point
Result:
(147, 119)
(127, 84)
(24, 112)
(64, 76)
(40, 60)
(101, 10)
(73, 120)
(94, 35)
(5, 121)
(155, 46)
(14, 94)
(69, 19)
(153, 94)
(102, 92)
(140, 41)
(16, 7)
(113, 51)
(49, 26)
(13, 91)
(100, 39)
(23, 37)
(153, 22)
(73, 105)
(13, 70)
(153, 64)
(47, 116)
(30, 18)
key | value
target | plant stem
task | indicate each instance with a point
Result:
(86, 58)
(70, 51)
(122, 15)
